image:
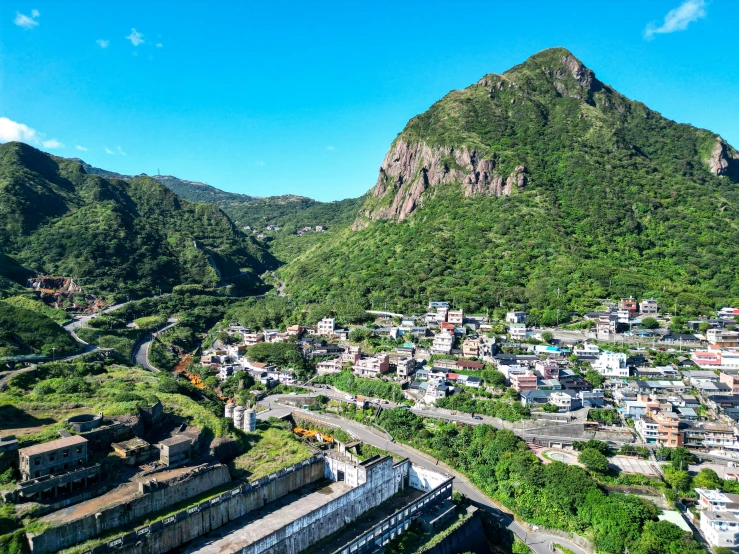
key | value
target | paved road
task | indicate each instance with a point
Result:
(141, 352)
(538, 542)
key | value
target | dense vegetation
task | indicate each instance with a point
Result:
(29, 302)
(619, 201)
(24, 332)
(373, 388)
(113, 235)
(552, 495)
(463, 402)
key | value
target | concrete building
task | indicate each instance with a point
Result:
(586, 351)
(52, 458)
(517, 331)
(628, 305)
(607, 326)
(374, 366)
(441, 314)
(442, 343)
(719, 519)
(565, 401)
(471, 348)
(523, 380)
(722, 338)
(611, 364)
(730, 378)
(405, 367)
(325, 327)
(176, 450)
(455, 317)
(648, 307)
(515, 317)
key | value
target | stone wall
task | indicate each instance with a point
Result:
(469, 536)
(127, 511)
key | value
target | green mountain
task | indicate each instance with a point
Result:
(541, 187)
(113, 235)
(288, 211)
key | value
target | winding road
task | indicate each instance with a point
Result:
(141, 351)
(540, 543)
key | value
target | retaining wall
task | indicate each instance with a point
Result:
(469, 536)
(128, 511)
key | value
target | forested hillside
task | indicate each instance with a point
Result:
(541, 187)
(113, 235)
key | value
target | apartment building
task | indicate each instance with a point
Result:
(53, 457)
(326, 327)
(719, 520)
(722, 338)
(523, 380)
(471, 348)
(629, 305)
(517, 331)
(648, 307)
(611, 364)
(455, 317)
(730, 378)
(606, 326)
(374, 366)
(405, 367)
(515, 317)
(443, 343)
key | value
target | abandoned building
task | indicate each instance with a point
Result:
(52, 458)
(134, 451)
(175, 450)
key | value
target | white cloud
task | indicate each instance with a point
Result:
(81, 148)
(259, 162)
(102, 43)
(11, 130)
(108, 151)
(52, 143)
(120, 151)
(135, 37)
(159, 45)
(25, 21)
(678, 19)
(330, 148)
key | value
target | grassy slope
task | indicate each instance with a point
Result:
(25, 332)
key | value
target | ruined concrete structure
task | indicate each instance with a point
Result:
(297, 509)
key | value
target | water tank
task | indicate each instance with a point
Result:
(239, 417)
(250, 420)
(230, 410)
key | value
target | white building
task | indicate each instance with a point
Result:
(611, 364)
(455, 317)
(515, 317)
(586, 350)
(517, 331)
(719, 520)
(443, 343)
(325, 327)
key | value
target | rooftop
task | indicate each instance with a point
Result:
(258, 524)
(53, 445)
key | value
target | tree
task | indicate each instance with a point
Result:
(493, 378)
(547, 337)
(707, 479)
(680, 458)
(593, 460)
(704, 326)
(679, 480)
(549, 408)
(359, 334)
(594, 378)
(650, 323)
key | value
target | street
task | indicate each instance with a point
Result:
(538, 542)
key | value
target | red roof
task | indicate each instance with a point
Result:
(469, 364)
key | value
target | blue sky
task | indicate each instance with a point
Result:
(304, 98)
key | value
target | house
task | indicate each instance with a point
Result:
(295, 330)
(441, 313)
(435, 305)
(647, 387)
(660, 428)
(695, 376)
(325, 367)
(523, 380)
(534, 397)
(236, 351)
(455, 317)
(728, 313)
(325, 327)
(517, 331)
(320, 228)
(515, 317)
(611, 364)
(565, 400)
(731, 379)
(351, 355)
(250, 339)
(405, 367)
(548, 350)
(546, 369)
(548, 384)
(719, 517)
(436, 390)
(374, 366)
(443, 343)
(628, 305)
(606, 326)
(225, 371)
(471, 347)
(592, 399)
(722, 338)
(470, 381)
(469, 365)
(574, 382)
(648, 307)
(586, 351)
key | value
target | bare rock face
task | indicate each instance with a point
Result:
(410, 169)
(720, 161)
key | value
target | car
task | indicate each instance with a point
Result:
(476, 417)
(406, 406)
(292, 394)
(351, 398)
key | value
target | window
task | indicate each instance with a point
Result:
(65, 454)
(37, 461)
(51, 471)
(79, 450)
(66, 466)
(37, 474)
(52, 457)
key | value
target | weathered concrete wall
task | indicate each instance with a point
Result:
(126, 513)
(468, 537)
(425, 479)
